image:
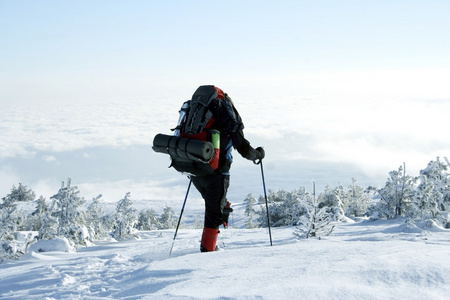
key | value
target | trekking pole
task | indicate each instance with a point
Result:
(179, 219)
(267, 205)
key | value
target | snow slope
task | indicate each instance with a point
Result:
(360, 260)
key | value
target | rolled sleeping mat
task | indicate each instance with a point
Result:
(161, 143)
(172, 146)
(195, 149)
(183, 147)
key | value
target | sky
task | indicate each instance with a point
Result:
(331, 89)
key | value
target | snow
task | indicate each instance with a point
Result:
(56, 244)
(359, 260)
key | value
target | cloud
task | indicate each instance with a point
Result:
(48, 126)
(319, 135)
(8, 178)
(49, 158)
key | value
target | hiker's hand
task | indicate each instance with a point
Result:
(261, 154)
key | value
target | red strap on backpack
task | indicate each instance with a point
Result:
(220, 93)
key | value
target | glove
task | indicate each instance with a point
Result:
(260, 154)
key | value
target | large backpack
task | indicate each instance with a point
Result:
(195, 147)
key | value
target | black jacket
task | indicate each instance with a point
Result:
(229, 123)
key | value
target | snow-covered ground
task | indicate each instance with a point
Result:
(359, 260)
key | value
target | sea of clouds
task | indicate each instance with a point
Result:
(329, 136)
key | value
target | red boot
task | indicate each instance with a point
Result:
(209, 239)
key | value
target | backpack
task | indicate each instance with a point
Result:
(195, 147)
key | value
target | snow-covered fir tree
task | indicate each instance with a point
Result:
(396, 196)
(316, 221)
(250, 211)
(21, 194)
(342, 195)
(125, 218)
(147, 220)
(65, 218)
(95, 219)
(167, 219)
(8, 227)
(358, 200)
(34, 221)
(49, 227)
(8, 207)
(330, 199)
(431, 199)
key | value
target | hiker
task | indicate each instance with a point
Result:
(213, 187)
(208, 128)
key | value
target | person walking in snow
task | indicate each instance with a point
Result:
(221, 116)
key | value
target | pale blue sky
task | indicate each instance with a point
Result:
(90, 49)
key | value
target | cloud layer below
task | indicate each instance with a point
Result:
(107, 144)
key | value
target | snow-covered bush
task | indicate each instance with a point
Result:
(56, 244)
(285, 208)
(290, 208)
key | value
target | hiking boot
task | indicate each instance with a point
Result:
(209, 239)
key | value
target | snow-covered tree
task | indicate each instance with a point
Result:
(167, 219)
(250, 201)
(330, 199)
(49, 227)
(432, 195)
(21, 194)
(8, 224)
(358, 200)
(34, 221)
(8, 207)
(147, 220)
(342, 195)
(65, 218)
(285, 208)
(396, 196)
(199, 221)
(95, 219)
(125, 219)
(316, 221)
